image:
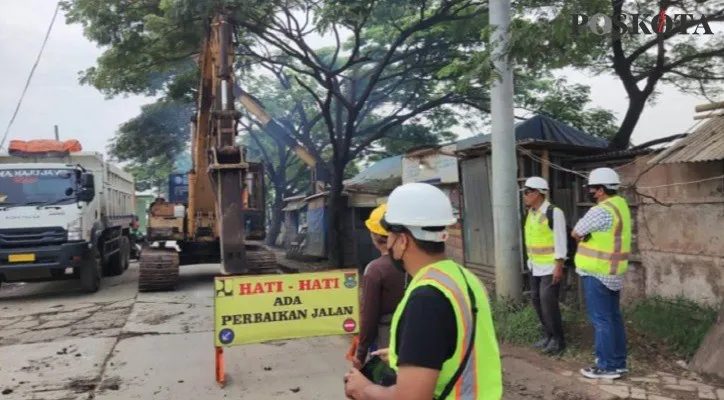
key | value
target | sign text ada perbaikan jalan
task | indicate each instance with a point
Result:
(252, 309)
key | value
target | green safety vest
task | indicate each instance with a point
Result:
(607, 253)
(482, 377)
(539, 238)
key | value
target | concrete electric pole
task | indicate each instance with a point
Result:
(506, 225)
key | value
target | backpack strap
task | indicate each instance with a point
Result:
(549, 215)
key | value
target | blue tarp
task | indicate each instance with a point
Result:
(542, 128)
(316, 233)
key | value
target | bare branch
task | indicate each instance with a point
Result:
(269, 161)
(621, 65)
(692, 57)
(719, 16)
(310, 90)
(439, 17)
(398, 120)
(337, 48)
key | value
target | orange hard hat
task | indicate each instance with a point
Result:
(373, 222)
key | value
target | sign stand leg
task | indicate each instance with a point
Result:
(220, 373)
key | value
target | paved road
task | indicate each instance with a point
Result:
(59, 343)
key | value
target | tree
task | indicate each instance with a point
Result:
(395, 66)
(387, 77)
(685, 55)
(154, 142)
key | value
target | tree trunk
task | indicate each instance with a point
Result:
(623, 136)
(277, 217)
(336, 233)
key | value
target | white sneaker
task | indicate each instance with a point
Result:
(619, 370)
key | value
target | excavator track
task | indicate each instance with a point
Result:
(261, 259)
(159, 270)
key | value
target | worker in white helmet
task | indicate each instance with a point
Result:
(602, 260)
(442, 339)
(546, 246)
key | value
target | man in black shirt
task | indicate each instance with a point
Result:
(429, 330)
(426, 347)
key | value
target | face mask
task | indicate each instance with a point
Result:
(399, 264)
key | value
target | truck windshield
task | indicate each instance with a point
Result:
(22, 187)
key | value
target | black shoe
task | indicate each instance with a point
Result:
(597, 373)
(554, 347)
(541, 344)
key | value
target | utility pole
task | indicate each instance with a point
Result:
(57, 136)
(506, 225)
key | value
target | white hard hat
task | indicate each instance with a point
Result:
(537, 183)
(419, 205)
(605, 177)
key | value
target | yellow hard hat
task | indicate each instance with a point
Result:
(373, 222)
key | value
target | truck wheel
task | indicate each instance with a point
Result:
(120, 260)
(91, 272)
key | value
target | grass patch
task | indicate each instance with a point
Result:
(515, 324)
(680, 324)
(518, 324)
(658, 329)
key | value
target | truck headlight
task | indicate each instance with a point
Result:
(75, 229)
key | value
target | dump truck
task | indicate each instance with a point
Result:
(63, 215)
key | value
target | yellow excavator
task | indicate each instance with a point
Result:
(224, 217)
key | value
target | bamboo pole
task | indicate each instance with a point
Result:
(710, 115)
(709, 106)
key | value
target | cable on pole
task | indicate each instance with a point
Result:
(30, 77)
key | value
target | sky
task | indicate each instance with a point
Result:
(55, 97)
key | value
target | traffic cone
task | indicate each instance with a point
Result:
(353, 348)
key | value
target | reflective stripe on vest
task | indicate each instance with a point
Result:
(606, 252)
(539, 239)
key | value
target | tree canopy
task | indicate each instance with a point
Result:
(685, 54)
(154, 142)
(396, 72)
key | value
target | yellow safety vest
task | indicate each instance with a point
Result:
(539, 238)
(482, 377)
(607, 253)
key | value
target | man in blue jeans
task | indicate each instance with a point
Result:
(604, 236)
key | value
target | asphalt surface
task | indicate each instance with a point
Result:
(57, 342)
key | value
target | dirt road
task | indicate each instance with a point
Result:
(58, 343)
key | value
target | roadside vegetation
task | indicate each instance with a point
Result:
(658, 329)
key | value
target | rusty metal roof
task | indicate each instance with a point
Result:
(706, 143)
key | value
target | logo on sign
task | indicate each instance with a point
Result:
(349, 325)
(224, 287)
(350, 280)
(226, 336)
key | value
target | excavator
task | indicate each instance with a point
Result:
(223, 218)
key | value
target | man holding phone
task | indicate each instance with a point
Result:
(442, 342)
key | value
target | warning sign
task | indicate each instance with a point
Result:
(252, 309)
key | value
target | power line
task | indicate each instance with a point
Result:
(30, 77)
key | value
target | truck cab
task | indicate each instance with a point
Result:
(54, 224)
